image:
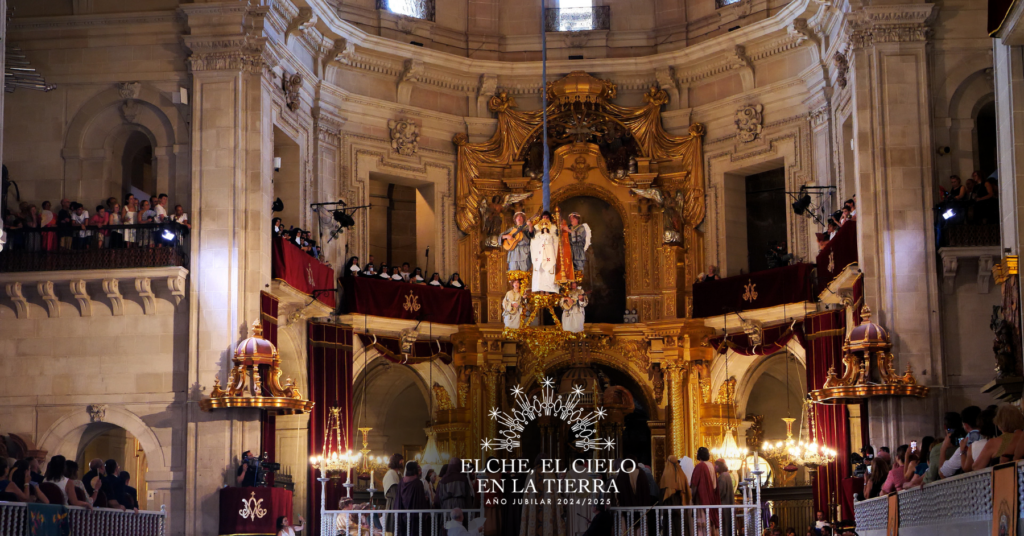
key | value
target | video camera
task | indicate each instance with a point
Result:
(262, 467)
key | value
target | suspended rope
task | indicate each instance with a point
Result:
(545, 178)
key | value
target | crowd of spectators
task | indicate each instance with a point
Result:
(404, 273)
(105, 485)
(302, 239)
(72, 226)
(838, 218)
(973, 439)
(975, 201)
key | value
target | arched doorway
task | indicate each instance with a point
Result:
(110, 442)
(606, 387)
(605, 276)
(137, 166)
(396, 407)
(985, 127)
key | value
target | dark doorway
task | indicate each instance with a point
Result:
(986, 128)
(605, 272)
(766, 215)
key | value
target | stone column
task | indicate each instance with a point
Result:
(894, 178)
(232, 143)
(326, 154)
(1008, 67)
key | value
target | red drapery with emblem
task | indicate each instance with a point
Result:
(768, 288)
(823, 341)
(304, 273)
(330, 384)
(380, 297)
(268, 424)
(839, 253)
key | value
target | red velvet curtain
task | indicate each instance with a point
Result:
(268, 425)
(303, 272)
(330, 384)
(823, 341)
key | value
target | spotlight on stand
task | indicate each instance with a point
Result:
(278, 205)
(343, 219)
(801, 203)
(949, 213)
(167, 235)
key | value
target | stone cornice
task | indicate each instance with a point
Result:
(386, 56)
(74, 22)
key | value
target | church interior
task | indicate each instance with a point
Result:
(297, 256)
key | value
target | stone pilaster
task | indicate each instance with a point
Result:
(893, 164)
(232, 145)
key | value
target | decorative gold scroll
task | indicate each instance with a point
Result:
(517, 129)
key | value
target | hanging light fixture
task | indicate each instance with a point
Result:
(729, 451)
(431, 457)
(332, 460)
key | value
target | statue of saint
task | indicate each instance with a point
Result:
(512, 306)
(574, 304)
(517, 242)
(544, 252)
(579, 240)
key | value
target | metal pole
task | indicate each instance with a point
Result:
(323, 502)
(545, 179)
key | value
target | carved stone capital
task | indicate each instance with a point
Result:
(890, 24)
(143, 285)
(211, 50)
(16, 295)
(49, 296)
(110, 288)
(80, 293)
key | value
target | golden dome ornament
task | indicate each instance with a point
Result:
(247, 387)
(868, 344)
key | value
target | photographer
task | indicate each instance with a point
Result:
(246, 476)
(777, 255)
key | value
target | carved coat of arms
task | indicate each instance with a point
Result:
(748, 122)
(405, 136)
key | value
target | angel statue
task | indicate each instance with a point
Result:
(491, 211)
(673, 211)
(574, 304)
(512, 306)
(579, 240)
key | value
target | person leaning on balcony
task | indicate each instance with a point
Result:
(942, 451)
(986, 205)
(180, 217)
(71, 472)
(879, 472)
(970, 450)
(894, 481)
(22, 487)
(64, 224)
(1009, 420)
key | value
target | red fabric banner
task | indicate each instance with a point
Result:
(329, 347)
(767, 288)
(240, 509)
(304, 273)
(839, 253)
(823, 340)
(395, 299)
(268, 424)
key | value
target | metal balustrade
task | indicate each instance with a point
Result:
(958, 505)
(372, 522)
(734, 520)
(85, 522)
(35, 249)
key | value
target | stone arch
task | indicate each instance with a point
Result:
(617, 362)
(974, 91)
(91, 147)
(66, 435)
(585, 189)
(291, 347)
(747, 370)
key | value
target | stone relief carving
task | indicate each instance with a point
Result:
(129, 92)
(842, 67)
(97, 412)
(291, 85)
(305, 20)
(749, 122)
(405, 136)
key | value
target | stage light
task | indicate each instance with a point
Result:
(278, 205)
(343, 219)
(167, 235)
(801, 204)
(949, 213)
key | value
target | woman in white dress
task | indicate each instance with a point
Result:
(512, 306)
(573, 309)
(544, 251)
(128, 213)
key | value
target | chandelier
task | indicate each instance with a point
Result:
(332, 460)
(733, 455)
(432, 458)
(780, 452)
(371, 464)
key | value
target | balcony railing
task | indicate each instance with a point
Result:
(14, 521)
(962, 504)
(577, 19)
(95, 248)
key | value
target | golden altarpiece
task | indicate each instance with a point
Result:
(655, 182)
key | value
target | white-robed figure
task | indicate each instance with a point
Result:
(512, 306)
(544, 252)
(574, 304)
(579, 240)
